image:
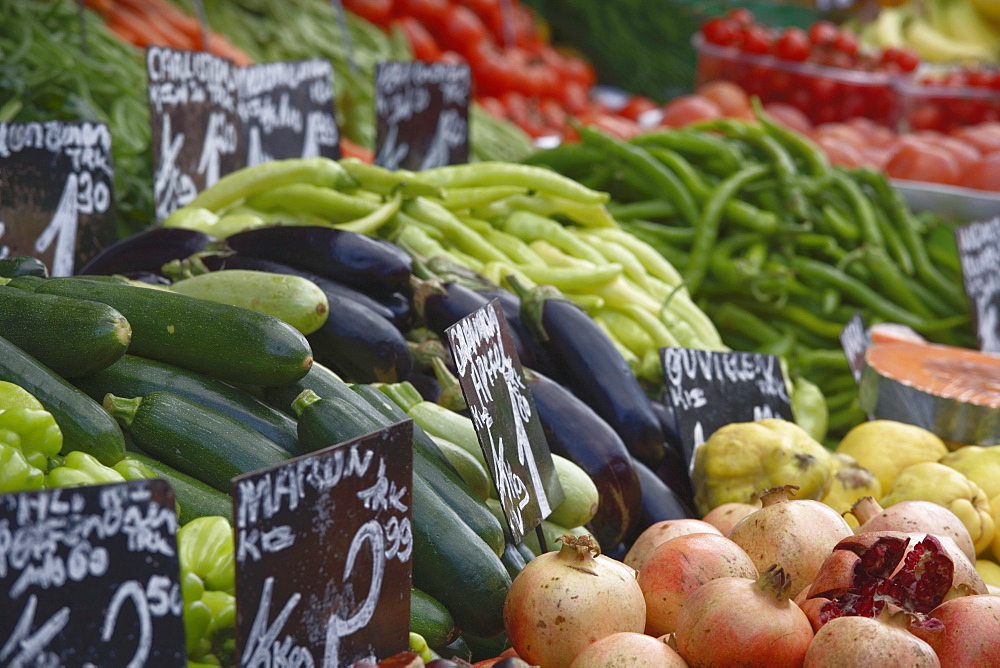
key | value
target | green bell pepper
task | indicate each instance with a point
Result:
(78, 469)
(133, 469)
(27, 426)
(205, 546)
(16, 474)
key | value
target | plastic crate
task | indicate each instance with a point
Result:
(933, 106)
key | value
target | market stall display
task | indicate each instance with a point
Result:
(304, 303)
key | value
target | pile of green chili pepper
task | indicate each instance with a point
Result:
(780, 248)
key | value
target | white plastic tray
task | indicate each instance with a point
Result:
(950, 201)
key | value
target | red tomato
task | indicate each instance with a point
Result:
(720, 31)
(870, 130)
(688, 109)
(984, 174)
(840, 152)
(378, 12)
(616, 126)
(755, 39)
(552, 113)
(843, 132)
(636, 106)
(740, 16)
(573, 96)
(963, 152)
(732, 99)
(877, 156)
(580, 70)
(490, 73)
(788, 116)
(493, 106)
(462, 30)
(920, 161)
(430, 12)
(451, 58)
(421, 41)
(823, 32)
(349, 149)
(792, 45)
(985, 136)
(847, 43)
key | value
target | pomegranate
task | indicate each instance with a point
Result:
(740, 621)
(797, 535)
(884, 555)
(913, 516)
(564, 600)
(660, 532)
(869, 641)
(971, 634)
(681, 565)
(626, 650)
(725, 517)
(811, 607)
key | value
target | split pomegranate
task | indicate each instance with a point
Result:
(628, 649)
(796, 534)
(869, 641)
(913, 517)
(724, 517)
(745, 622)
(971, 633)
(564, 600)
(681, 565)
(660, 532)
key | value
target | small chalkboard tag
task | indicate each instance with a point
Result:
(195, 128)
(89, 577)
(421, 115)
(709, 389)
(286, 111)
(324, 551)
(504, 416)
(979, 252)
(57, 189)
(854, 341)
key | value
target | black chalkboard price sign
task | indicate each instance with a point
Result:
(854, 341)
(421, 115)
(89, 577)
(324, 552)
(979, 252)
(195, 128)
(286, 111)
(504, 416)
(709, 389)
(56, 192)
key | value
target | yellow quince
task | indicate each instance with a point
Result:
(978, 464)
(886, 447)
(931, 481)
(744, 458)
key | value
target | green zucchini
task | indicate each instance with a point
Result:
(85, 425)
(199, 441)
(474, 475)
(455, 566)
(22, 265)
(326, 422)
(70, 336)
(431, 619)
(133, 376)
(294, 299)
(320, 380)
(26, 282)
(196, 499)
(226, 342)
(512, 560)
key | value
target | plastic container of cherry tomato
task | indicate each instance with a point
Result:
(929, 103)
(824, 94)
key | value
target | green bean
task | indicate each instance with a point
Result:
(465, 238)
(503, 173)
(643, 209)
(708, 226)
(652, 174)
(529, 227)
(661, 233)
(459, 199)
(731, 316)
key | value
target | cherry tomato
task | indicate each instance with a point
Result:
(719, 31)
(378, 12)
(616, 126)
(429, 12)
(422, 43)
(490, 73)
(492, 105)
(462, 30)
(580, 70)
(984, 174)
(847, 43)
(793, 44)
(919, 161)
(552, 112)
(688, 109)
(636, 106)
(731, 98)
(741, 16)
(755, 39)
(788, 116)
(573, 96)
(823, 32)
(451, 58)
(907, 59)
(926, 117)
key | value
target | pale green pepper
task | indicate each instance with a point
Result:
(16, 474)
(205, 547)
(27, 426)
(79, 468)
(133, 469)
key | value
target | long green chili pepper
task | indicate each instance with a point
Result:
(371, 223)
(887, 276)
(861, 205)
(708, 226)
(503, 173)
(643, 209)
(695, 143)
(841, 225)
(731, 316)
(656, 264)
(893, 241)
(811, 155)
(458, 199)
(655, 177)
(462, 236)
(324, 202)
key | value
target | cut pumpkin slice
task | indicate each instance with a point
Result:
(953, 392)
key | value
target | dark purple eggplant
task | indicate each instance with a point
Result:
(574, 431)
(593, 369)
(401, 306)
(668, 423)
(359, 345)
(426, 384)
(659, 501)
(370, 265)
(217, 261)
(440, 305)
(530, 353)
(147, 251)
